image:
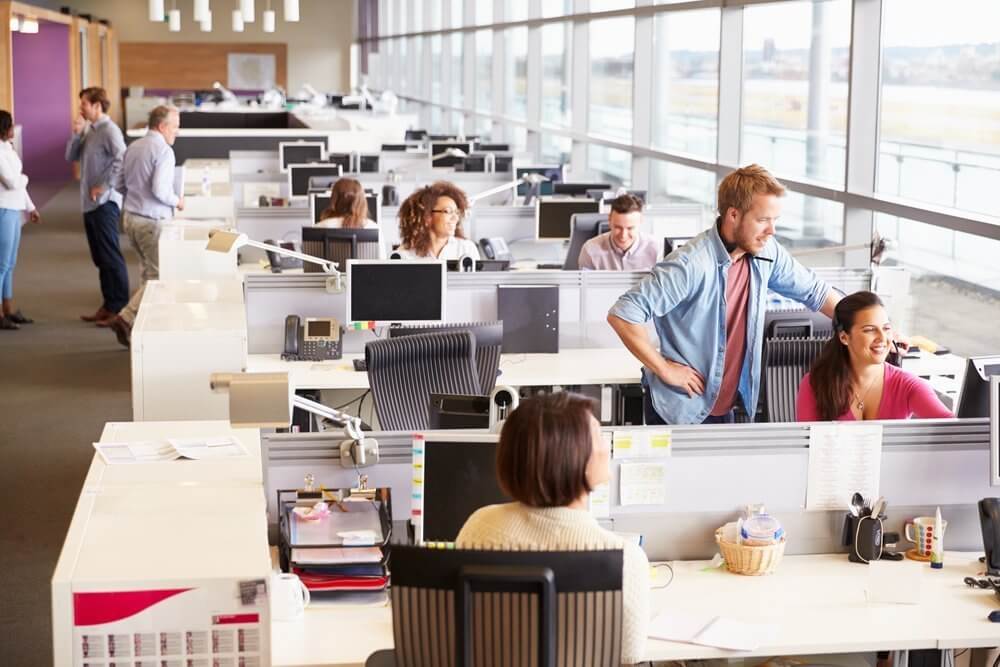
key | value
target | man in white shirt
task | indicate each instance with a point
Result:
(624, 247)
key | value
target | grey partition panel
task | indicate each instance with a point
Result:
(270, 297)
(246, 162)
(713, 472)
(190, 146)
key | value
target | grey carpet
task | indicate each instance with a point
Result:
(60, 381)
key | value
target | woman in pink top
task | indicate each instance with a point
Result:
(850, 379)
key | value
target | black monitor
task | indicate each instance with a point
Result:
(554, 216)
(477, 163)
(480, 264)
(336, 244)
(386, 292)
(363, 163)
(452, 411)
(797, 323)
(458, 477)
(441, 147)
(395, 148)
(300, 152)
(585, 227)
(320, 201)
(974, 400)
(415, 135)
(553, 172)
(492, 148)
(299, 175)
(474, 138)
(578, 189)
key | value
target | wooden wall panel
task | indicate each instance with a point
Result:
(189, 65)
(113, 84)
(6, 58)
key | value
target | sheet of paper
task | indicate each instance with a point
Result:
(843, 458)
(729, 633)
(679, 627)
(642, 484)
(641, 443)
(208, 448)
(336, 556)
(600, 501)
(145, 451)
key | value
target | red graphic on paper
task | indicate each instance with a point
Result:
(233, 619)
(98, 608)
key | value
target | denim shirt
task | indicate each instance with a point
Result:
(685, 296)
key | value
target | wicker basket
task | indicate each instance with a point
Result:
(743, 559)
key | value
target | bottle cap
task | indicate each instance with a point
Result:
(937, 565)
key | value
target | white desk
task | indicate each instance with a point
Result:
(569, 367)
(817, 602)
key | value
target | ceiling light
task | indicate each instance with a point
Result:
(291, 11)
(175, 20)
(246, 6)
(238, 24)
(29, 26)
(156, 11)
(201, 10)
(206, 22)
(268, 19)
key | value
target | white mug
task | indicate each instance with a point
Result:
(920, 531)
(289, 596)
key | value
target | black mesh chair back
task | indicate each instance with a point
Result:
(455, 608)
(489, 339)
(404, 372)
(338, 245)
(585, 227)
(786, 361)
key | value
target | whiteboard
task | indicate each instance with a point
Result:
(251, 71)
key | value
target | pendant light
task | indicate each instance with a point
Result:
(238, 25)
(156, 11)
(206, 22)
(267, 17)
(246, 6)
(201, 10)
(174, 18)
(291, 11)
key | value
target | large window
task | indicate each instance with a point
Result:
(556, 8)
(516, 68)
(686, 81)
(557, 51)
(608, 5)
(435, 44)
(796, 59)
(609, 164)
(612, 44)
(678, 184)
(484, 70)
(555, 149)
(457, 69)
(516, 10)
(484, 12)
(940, 124)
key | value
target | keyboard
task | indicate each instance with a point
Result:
(360, 365)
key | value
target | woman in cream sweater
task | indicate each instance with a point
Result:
(551, 455)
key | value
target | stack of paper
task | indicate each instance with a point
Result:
(711, 630)
(152, 451)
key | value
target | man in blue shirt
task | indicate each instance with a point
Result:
(707, 303)
(147, 180)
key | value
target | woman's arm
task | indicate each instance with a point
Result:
(922, 401)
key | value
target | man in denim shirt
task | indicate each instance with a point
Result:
(707, 303)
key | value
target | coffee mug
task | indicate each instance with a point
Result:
(289, 596)
(921, 532)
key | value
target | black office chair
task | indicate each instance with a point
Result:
(338, 245)
(489, 339)
(786, 361)
(472, 607)
(585, 227)
(404, 372)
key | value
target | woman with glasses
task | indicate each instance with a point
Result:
(430, 224)
(850, 379)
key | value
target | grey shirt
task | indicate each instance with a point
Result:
(148, 178)
(601, 254)
(99, 150)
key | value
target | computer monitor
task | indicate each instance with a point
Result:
(554, 216)
(451, 411)
(974, 400)
(492, 148)
(387, 292)
(474, 138)
(395, 148)
(552, 172)
(364, 162)
(300, 152)
(456, 477)
(439, 147)
(338, 245)
(415, 135)
(320, 201)
(995, 430)
(585, 227)
(299, 175)
(477, 163)
(578, 189)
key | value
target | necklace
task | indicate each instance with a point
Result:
(859, 401)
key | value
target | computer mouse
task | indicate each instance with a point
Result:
(994, 616)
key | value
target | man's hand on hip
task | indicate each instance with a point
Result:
(683, 377)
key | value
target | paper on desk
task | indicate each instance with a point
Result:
(336, 556)
(843, 458)
(142, 451)
(641, 443)
(208, 448)
(642, 484)
(711, 630)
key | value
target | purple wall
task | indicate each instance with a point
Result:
(42, 100)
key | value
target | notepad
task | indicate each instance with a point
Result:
(711, 630)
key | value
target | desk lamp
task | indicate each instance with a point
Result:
(266, 400)
(219, 240)
(450, 152)
(534, 182)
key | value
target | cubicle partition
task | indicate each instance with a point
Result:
(709, 473)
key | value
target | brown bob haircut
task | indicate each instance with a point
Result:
(738, 188)
(347, 201)
(415, 214)
(96, 95)
(626, 203)
(544, 448)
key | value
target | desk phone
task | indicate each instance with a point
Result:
(319, 340)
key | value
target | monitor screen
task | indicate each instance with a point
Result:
(578, 189)
(300, 152)
(974, 400)
(492, 148)
(553, 217)
(440, 147)
(415, 135)
(318, 328)
(299, 175)
(320, 201)
(554, 173)
(386, 292)
(459, 477)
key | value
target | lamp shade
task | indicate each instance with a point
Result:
(201, 9)
(268, 19)
(291, 11)
(29, 26)
(156, 11)
(246, 6)
(238, 24)
(206, 22)
(175, 20)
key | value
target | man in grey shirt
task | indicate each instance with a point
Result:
(99, 146)
(624, 247)
(148, 183)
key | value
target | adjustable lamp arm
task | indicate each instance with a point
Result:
(219, 240)
(350, 423)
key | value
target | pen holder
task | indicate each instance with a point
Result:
(863, 536)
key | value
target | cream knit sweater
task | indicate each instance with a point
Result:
(518, 527)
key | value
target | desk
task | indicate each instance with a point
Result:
(569, 367)
(817, 602)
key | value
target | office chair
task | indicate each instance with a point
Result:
(473, 607)
(786, 361)
(585, 227)
(338, 245)
(489, 339)
(404, 372)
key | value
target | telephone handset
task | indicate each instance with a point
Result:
(319, 340)
(495, 247)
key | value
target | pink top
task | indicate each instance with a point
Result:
(904, 395)
(737, 296)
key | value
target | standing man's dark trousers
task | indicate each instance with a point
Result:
(102, 237)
